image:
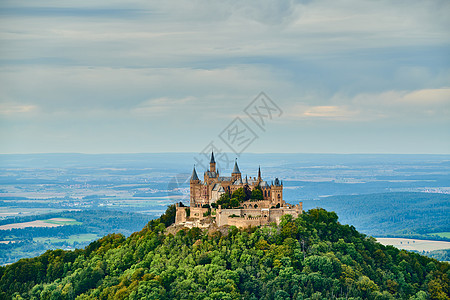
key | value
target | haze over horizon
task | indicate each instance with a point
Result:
(145, 77)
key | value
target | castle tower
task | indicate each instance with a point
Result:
(212, 163)
(277, 192)
(195, 188)
(236, 174)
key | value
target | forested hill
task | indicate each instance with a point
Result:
(312, 257)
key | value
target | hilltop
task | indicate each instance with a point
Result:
(309, 257)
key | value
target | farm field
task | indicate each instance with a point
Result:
(441, 234)
(62, 221)
(6, 212)
(81, 238)
(54, 222)
(414, 244)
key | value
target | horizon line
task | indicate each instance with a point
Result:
(246, 153)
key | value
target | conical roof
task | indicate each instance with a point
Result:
(194, 175)
(236, 168)
(212, 158)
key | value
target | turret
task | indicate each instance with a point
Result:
(259, 174)
(212, 163)
(194, 177)
(236, 173)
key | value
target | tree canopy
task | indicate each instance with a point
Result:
(309, 257)
(257, 193)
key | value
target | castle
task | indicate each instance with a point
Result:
(207, 198)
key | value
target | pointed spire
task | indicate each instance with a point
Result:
(246, 180)
(194, 175)
(236, 168)
(259, 172)
(212, 158)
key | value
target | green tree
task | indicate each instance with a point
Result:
(239, 194)
(168, 218)
(257, 193)
(310, 257)
(248, 192)
(224, 200)
(234, 202)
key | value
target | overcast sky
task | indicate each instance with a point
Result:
(110, 76)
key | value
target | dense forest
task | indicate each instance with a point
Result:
(311, 257)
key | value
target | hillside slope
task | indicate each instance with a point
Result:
(311, 257)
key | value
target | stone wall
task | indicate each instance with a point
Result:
(197, 212)
(243, 217)
(239, 217)
(259, 204)
(180, 215)
(247, 221)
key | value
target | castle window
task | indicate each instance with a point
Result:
(268, 193)
(279, 197)
(265, 193)
(256, 205)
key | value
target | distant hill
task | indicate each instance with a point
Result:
(311, 257)
(412, 215)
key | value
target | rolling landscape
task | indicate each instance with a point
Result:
(225, 150)
(392, 196)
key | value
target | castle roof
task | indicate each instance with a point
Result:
(194, 175)
(238, 181)
(236, 168)
(211, 174)
(224, 178)
(212, 158)
(218, 187)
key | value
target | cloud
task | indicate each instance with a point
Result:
(161, 106)
(428, 97)
(329, 112)
(427, 104)
(12, 109)
(406, 103)
(185, 32)
(112, 66)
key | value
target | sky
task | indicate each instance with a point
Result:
(351, 76)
